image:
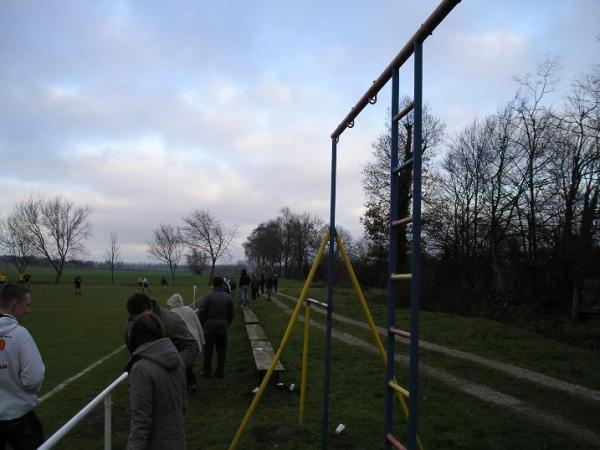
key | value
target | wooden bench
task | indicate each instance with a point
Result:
(262, 350)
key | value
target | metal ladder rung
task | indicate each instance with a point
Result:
(406, 163)
(399, 332)
(403, 221)
(408, 108)
(395, 442)
(401, 276)
(395, 386)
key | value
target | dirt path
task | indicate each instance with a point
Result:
(482, 392)
(515, 371)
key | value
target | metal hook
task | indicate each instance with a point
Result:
(373, 100)
(351, 124)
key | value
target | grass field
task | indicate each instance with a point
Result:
(73, 332)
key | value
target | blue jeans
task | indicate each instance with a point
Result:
(244, 295)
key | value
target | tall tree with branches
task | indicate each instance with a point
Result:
(15, 242)
(207, 234)
(167, 245)
(56, 228)
(112, 255)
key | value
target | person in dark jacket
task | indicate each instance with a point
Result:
(269, 287)
(175, 327)
(262, 283)
(215, 313)
(254, 287)
(157, 388)
(275, 282)
(244, 286)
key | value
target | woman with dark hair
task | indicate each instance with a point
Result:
(157, 387)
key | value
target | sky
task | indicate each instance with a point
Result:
(147, 110)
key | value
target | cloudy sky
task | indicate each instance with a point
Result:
(145, 110)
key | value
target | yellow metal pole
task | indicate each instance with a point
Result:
(304, 363)
(286, 336)
(361, 299)
(367, 312)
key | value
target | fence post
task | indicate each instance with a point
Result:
(107, 422)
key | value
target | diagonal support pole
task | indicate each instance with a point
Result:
(370, 321)
(284, 340)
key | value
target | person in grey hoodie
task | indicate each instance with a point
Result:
(21, 373)
(175, 302)
(157, 388)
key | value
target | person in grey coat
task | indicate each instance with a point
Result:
(175, 302)
(175, 327)
(157, 388)
(215, 313)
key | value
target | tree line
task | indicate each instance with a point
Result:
(55, 230)
(511, 210)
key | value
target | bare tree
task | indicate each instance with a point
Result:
(196, 261)
(167, 246)
(112, 255)
(206, 233)
(56, 228)
(15, 242)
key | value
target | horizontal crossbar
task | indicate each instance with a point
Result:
(401, 276)
(406, 163)
(399, 332)
(420, 35)
(404, 112)
(395, 442)
(312, 301)
(395, 386)
(404, 221)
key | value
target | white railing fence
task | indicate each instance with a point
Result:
(104, 395)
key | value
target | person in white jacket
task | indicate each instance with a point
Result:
(175, 303)
(21, 373)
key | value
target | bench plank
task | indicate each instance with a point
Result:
(255, 332)
(263, 355)
(249, 316)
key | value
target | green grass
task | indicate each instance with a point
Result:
(73, 332)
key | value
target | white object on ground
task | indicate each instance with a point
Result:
(341, 427)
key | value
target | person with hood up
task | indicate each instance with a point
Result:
(175, 328)
(157, 388)
(21, 373)
(175, 302)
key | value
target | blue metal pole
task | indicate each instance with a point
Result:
(392, 262)
(330, 267)
(415, 291)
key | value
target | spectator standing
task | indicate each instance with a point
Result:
(145, 285)
(269, 287)
(262, 283)
(140, 282)
(215, 313)
(26, 280)
(226, 285)
(163, 283)
(244, 286)
(175, 328)
(254, 287)
(77, 285)
(175, 302)
(21, 374)
(232, 287)
(2, 280)
(275, 282)
(156, 388)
